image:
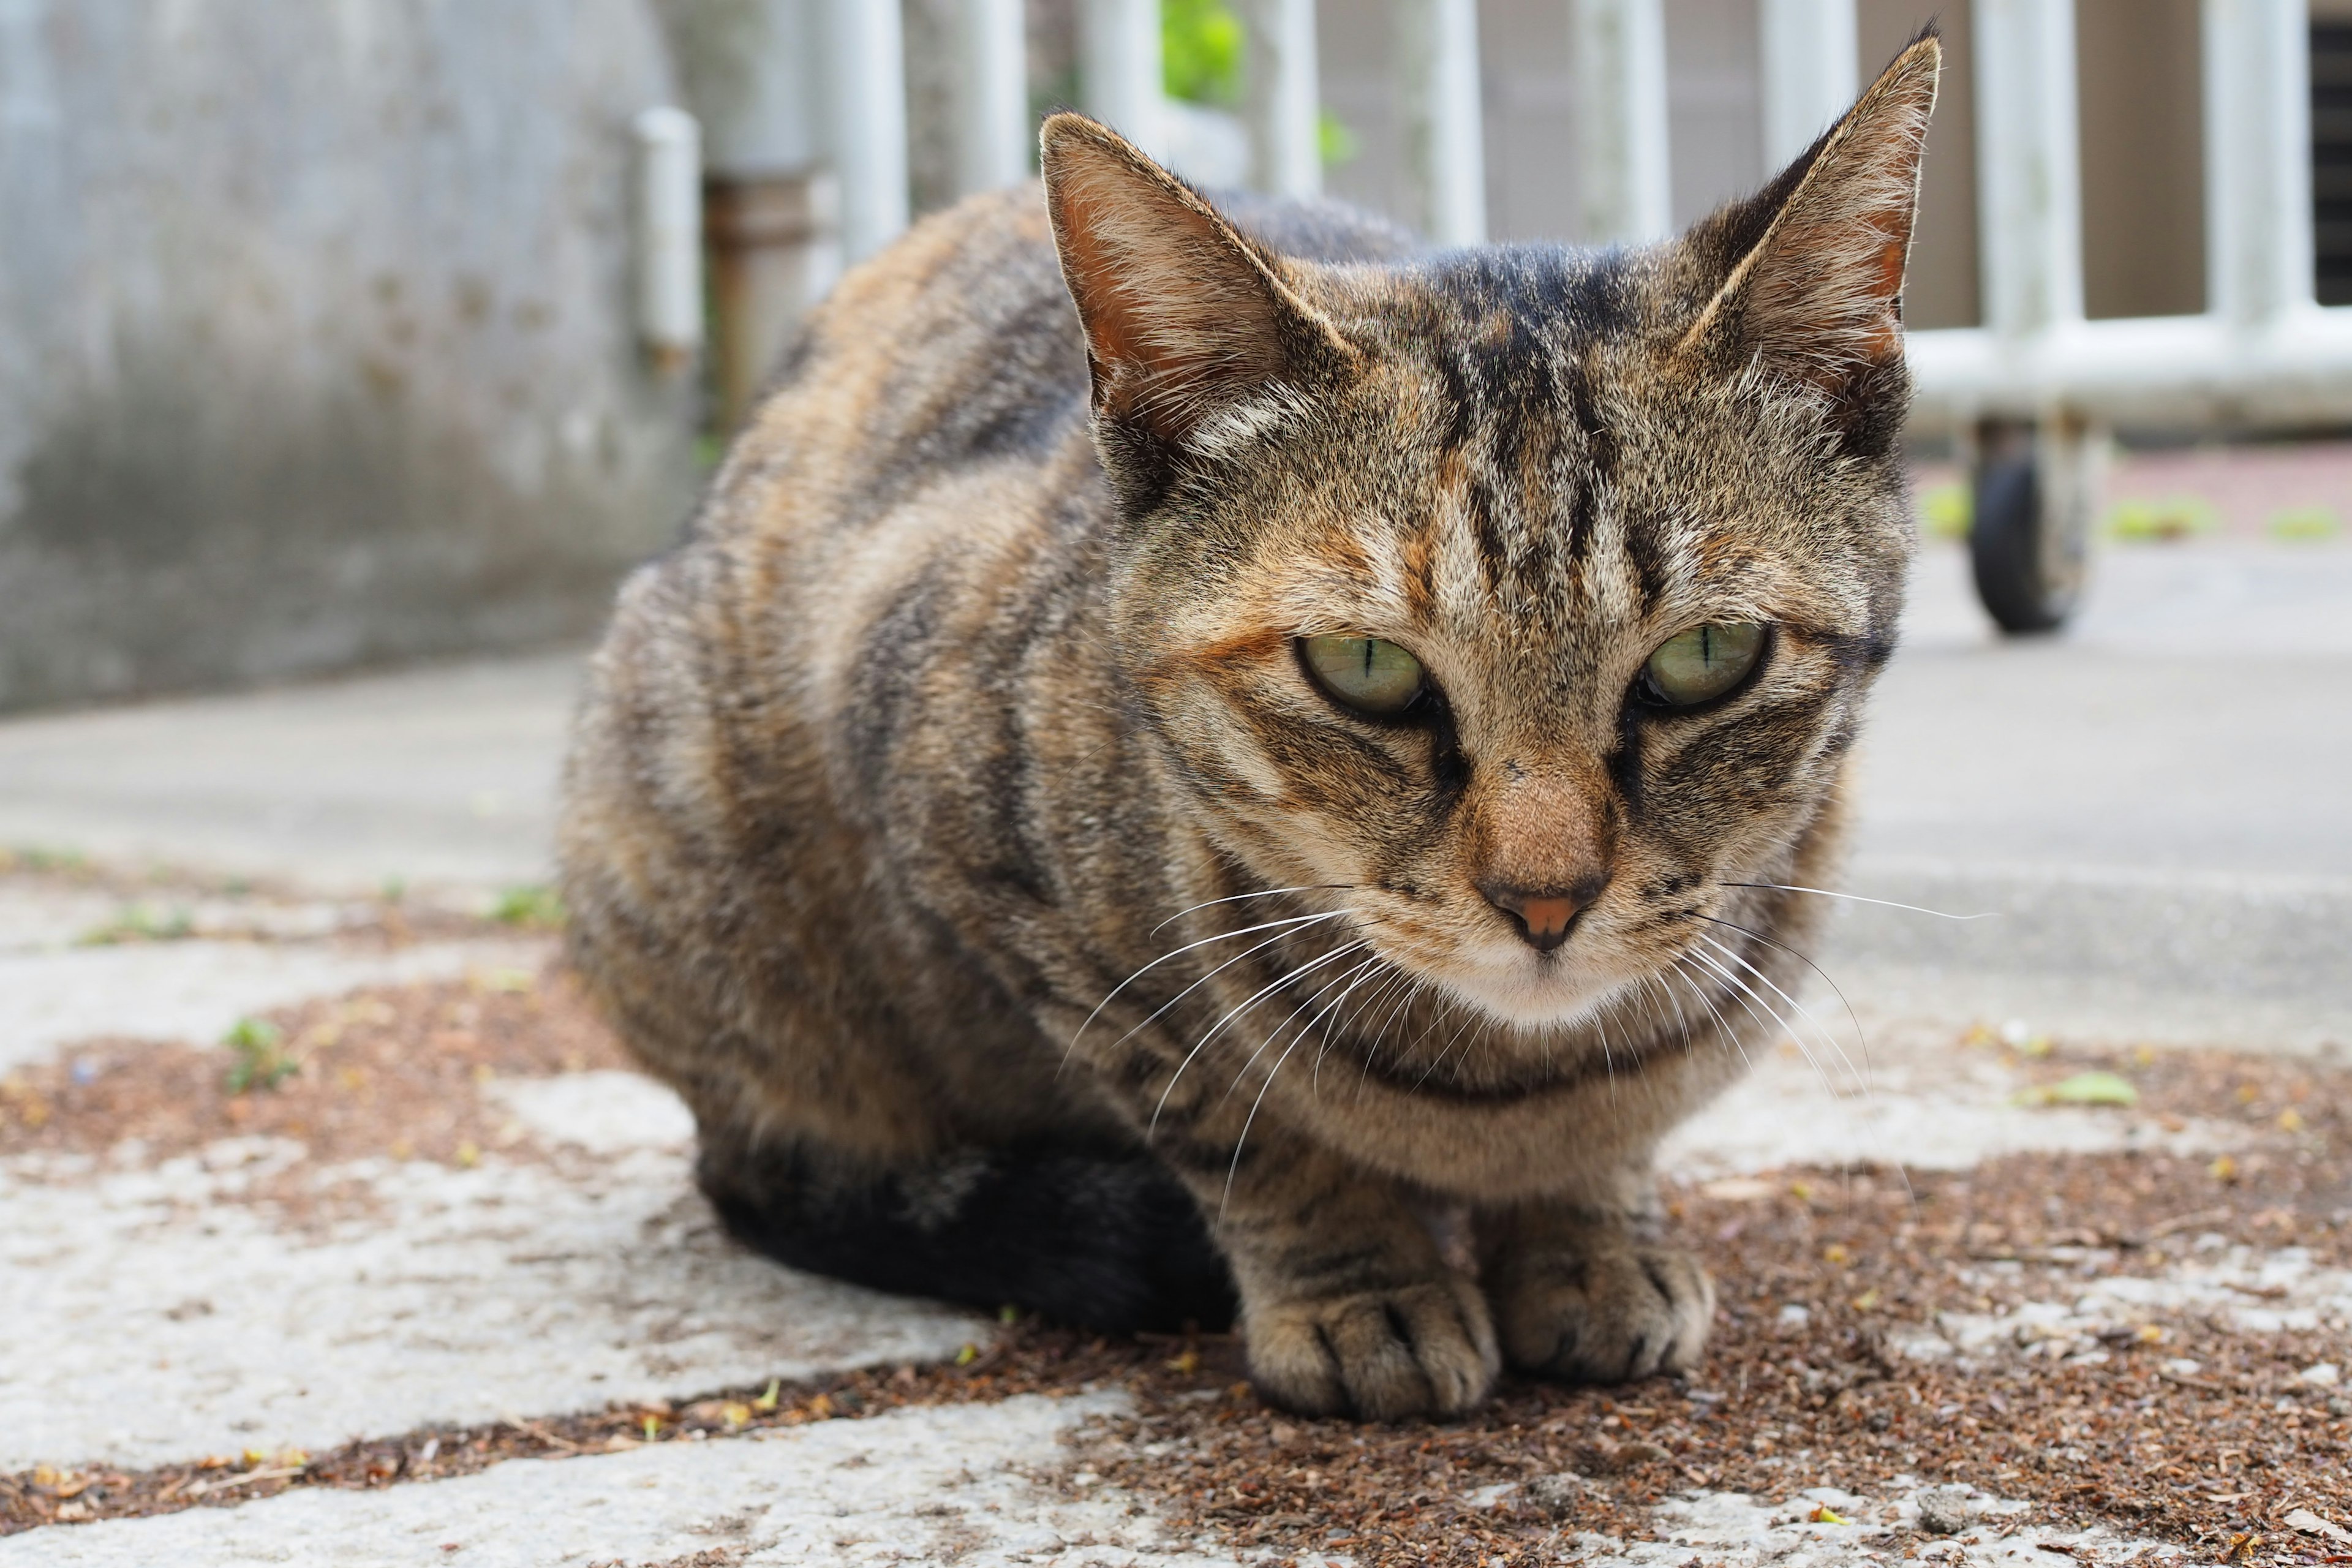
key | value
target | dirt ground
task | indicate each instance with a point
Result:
(1875, 1330)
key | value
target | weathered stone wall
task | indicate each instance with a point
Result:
(315, 344)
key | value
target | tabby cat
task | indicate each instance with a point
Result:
(1269, 791)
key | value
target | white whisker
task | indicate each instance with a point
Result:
(1861, 1036)
(1858, 899)
(1237, 897)
(1723, 1026)
(1314, 996)
(1280, 927)
(1202, 1044)
(1748, 997)
(1828, 1038)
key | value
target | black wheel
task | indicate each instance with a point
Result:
(2030, 532)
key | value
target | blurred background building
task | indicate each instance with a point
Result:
(334, 334)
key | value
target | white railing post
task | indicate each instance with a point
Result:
(669, 235)
(994, 140)
(1120, 79)
(1444, 131)
(2029, 173)
(1281, 98)
(865, 103)
(2258, 241)
(1620, 120)
(1808, 49)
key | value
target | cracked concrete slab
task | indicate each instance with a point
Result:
(161, 1313)
(938, 1484)
(1873, 1092)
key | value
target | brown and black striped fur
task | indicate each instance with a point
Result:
(951, 821)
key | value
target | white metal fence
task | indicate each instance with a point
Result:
(2263, 352)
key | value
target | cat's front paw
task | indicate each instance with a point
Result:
(1422, 1349)
(1605, 1307)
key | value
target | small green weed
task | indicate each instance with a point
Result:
(2084, 1089)
(2305, 525)
(2166, 522)
(531, 907)
(1201, 44)
(33, 857)
(1335, 141)
(262, 1060)
(1945, 511)
(140, 922)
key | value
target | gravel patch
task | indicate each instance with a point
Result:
(458, 1226)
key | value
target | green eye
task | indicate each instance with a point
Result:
(1365, 673)
(1706, 661)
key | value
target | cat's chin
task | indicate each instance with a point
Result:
(1534, 996)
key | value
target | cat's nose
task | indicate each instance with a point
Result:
(1542, 914)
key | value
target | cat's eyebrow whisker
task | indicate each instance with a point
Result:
(1179, 953)
(1807, 1012)
(1202, 1044)
(1858, 899)
(1237, 897)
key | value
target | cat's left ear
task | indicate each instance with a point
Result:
(1184, 317)
(1817, 296)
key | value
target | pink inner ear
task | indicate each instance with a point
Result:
(1819, 297)
(1182, 317)
(1888, 341)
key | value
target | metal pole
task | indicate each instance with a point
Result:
(1445, 132)
(1620, 121)
(669, 235)
(2259, 257)
(866, 113)
(2037, 486)
(2029, 172)
(1281, 97)
(1120, 81)
(996, 139)
(1808, 49)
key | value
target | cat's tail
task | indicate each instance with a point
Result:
(1102, 1239)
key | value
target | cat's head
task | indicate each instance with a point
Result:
(1523, 598)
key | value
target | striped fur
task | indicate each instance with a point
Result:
(953, 822)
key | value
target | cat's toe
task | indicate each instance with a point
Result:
(1427, 1348)
(1610, 1312)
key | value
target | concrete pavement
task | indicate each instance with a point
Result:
(2148, 802)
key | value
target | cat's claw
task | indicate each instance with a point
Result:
(1423, 1349)
(1607, 1311)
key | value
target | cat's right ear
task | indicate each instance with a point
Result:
(1185, 318)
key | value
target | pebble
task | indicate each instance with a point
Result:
(1943, 1511)
(1557, 1495)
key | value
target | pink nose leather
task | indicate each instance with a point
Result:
(1543, 918)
